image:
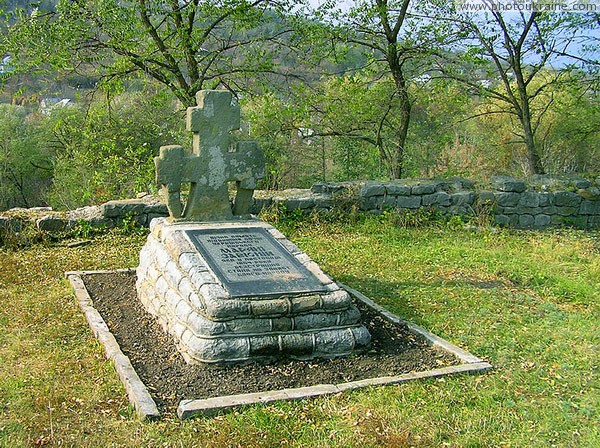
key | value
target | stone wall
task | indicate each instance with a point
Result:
(537, 203)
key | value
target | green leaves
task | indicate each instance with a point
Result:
(186, 46)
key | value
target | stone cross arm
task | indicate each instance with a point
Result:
(174, 167)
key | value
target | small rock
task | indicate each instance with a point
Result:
(51, 223)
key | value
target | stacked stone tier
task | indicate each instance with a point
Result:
(176, 284)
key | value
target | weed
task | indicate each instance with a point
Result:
(420, 217)
(130, 225)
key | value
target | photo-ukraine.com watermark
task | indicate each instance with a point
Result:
(580, 6)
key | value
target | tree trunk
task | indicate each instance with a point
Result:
(396, 168)
(534, 164)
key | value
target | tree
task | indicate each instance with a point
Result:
(25, 158)
(185, 46)
(397, 43)
(107, 151)
(362, 117)
(512, 58)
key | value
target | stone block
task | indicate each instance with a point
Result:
(580, 222)
(462, 198)
(280, 324)
(421, 189)
(594, 221)
(314, 320)
(566, 211)
(178, 243)
(187, 260)
(303, 304)
(529, 199)
(371, 203)
(397, 189)
(502, 220)
(172, 299)
(172, 274)
(349, 317)
(299, 203)
(185, 288)
(443, 198)
(161, 286)
(591, 194)
(200, 278)
(508, 184)
(521, 210)
(590, 207)
(259, 204)
(508, 199)
(486, 197)
(153, 216)
(371, 189)
(155, 208)
(264, 345)
(411, 202)
(9, 224)
(270, 307)
(567, 199)
(213, 291)
(542, 221)
(389, 201)
(183, 310)
(580, 183)
(51, 223)
(362, 337)
(196, 302)
(161, 256)
(329, 187)
(122, 208)
(218, 350)
(249, 326)
(297, 344)
(221, 310)
(526, 221)
(93, 212)
(332, 343)
(460, 183)
(324, 202)
(545, 199)
(336, 300)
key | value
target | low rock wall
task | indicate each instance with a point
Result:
(537, 203)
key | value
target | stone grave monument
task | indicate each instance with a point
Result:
(226, 286)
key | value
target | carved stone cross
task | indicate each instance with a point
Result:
(211, 164)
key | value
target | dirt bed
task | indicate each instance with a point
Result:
(394, 350)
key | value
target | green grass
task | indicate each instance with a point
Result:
(527, 302)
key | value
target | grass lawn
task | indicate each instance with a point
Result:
(527, 302)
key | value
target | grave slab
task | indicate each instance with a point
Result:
(239, 291)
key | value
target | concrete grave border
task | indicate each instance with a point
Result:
(139, 396)
(146, 407)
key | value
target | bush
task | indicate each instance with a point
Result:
(107, 151)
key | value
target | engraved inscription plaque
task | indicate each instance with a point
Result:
(250, 262)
